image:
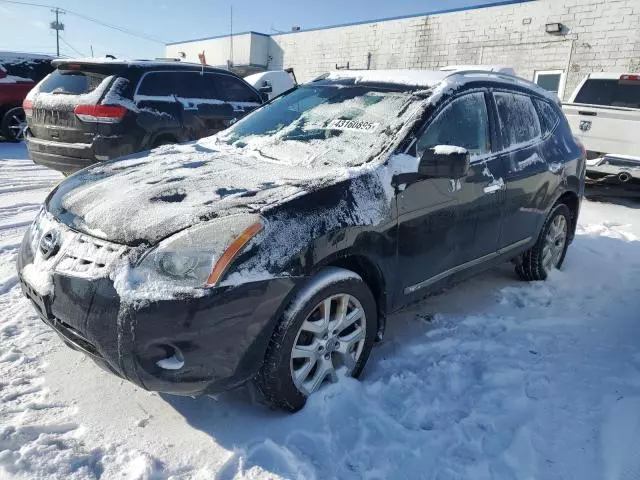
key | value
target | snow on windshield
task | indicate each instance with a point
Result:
(324, 126)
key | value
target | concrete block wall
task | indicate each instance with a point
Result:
(600, 35)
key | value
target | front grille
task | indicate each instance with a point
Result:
(79, 254)
(89, 257)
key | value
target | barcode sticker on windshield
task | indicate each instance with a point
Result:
(357, 125)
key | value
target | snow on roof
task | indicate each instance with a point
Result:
(414, 78)
(126, 61)
(13, 56)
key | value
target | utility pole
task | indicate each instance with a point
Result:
(231, 38)
(57, 26)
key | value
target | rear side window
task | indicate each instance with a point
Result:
(519, 121)
(462, 123)
(232, 89)
(199, 86)
(71, 82)
(548, 116)
(162, 84)
(611, 93)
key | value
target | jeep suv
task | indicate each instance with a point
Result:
(274, 251)
(93, 110)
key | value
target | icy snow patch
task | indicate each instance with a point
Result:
(449, 150)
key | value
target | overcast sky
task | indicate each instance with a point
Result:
(26, 28)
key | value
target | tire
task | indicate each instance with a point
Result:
(624, 177)
(13, 125)
(534, 265)
(275, 380)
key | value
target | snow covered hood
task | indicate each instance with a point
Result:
(146, 197)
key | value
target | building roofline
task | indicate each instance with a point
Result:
(219, 36)
(497, 3)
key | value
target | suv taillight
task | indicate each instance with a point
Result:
(100, 113)
(27, 106)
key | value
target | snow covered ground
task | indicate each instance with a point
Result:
(494, 379)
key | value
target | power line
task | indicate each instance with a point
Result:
(72, 47)
(90, 19)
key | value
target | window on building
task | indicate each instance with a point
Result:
(519, 121)
(613, 93)
(462, 123)
(548, 115)
(234, 90)
(551, 80)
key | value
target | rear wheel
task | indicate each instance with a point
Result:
(14, 124)
(163, 141)
(549, 251)
(326, 333)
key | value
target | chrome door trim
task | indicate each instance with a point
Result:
(465, 266)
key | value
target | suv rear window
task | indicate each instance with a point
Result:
(610, 93)
(71, 82)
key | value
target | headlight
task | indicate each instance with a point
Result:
(38, 228)
(198, 256)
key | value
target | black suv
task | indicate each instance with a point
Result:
(89, 111)
(275, 250)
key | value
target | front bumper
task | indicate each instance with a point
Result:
(223, 336)
(71, 157)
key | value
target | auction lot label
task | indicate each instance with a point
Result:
(355, 125)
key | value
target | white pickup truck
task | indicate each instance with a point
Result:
(604, 113)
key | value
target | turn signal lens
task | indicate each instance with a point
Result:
(231, 252)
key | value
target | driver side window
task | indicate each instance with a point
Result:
(462, 123)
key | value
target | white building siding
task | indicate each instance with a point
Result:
(601, 35)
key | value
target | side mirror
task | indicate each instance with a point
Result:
(444, 161)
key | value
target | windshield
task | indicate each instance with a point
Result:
(324, 125)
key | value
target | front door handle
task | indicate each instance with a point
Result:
(493, 188)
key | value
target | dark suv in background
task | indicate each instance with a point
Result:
(90, 111)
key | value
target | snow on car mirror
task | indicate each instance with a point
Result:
(444, 161)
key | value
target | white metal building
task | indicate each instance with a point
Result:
(552, 42)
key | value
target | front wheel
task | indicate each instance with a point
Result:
(549, 251)
(326, 332)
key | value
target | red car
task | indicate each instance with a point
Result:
(19, 73)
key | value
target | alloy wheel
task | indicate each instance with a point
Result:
(330, 340)
(17, 126)
(554, 243)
